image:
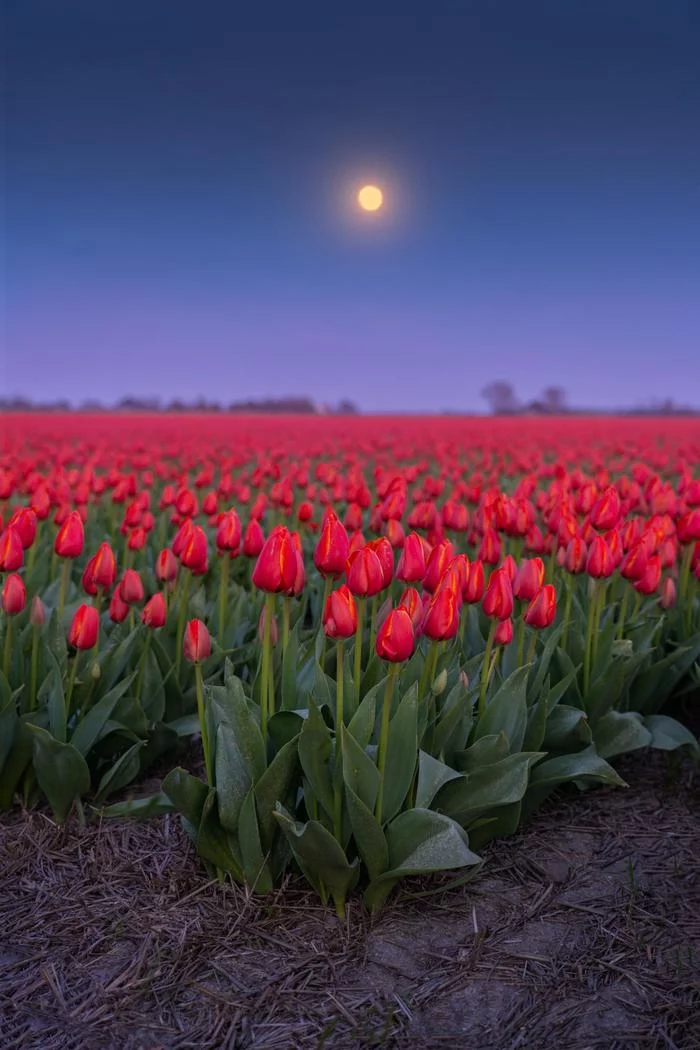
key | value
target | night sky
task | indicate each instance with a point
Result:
(180, 200)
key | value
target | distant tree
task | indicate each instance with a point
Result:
(347, 408)
(501, 398)
(554, 400)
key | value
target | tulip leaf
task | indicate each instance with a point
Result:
(362, 723)
(586, 765)
(276, 783)
(51, 693)
(20, 749)
(567, 729)
(140, 808)
(536, 725)
(432, 775)
(187, 793)
(483, 752)
(315, 749)
(188, 725)
(90, 726)
(507, 710)
(369, 837)
(401, 754)
(420, 842)
(152, 691)
(502, 822)
(197, 804)
(114, 660)
(232, 775)
(255, 868)
(318, 855)
(456, 714)
(618, 732)
(655, 684)
(359, 771)
(668, 734)
(284, 726)
(61, 771)
(125, 769)
(230, 707)
(487, 787)
(289, 670)
(541, 667)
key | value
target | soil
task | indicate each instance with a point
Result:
(581, 933)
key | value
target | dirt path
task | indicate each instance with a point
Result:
(582, 932)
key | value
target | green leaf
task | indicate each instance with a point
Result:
(420, 842)
(113, 661)
(369, 837)
(140, 808)
(232, 776)
(567, 729)
(289, 670)
(19, 755)
(667, 734)
(318, 855)
(542, 666)
(483, 752)
(359, 771)
(653, 686)
(236, 712)
(454, 722)
(618, 732)
(586, 765)
(502, 822)
(536, 725)
(276, 783)
(362, 723)
(401, 754)
(152, 691)
(124, 770)
(499, 784)
(187, 793)
(314, 754)
(507, 711)
(197, 803)
(432, 775)
(51, 693)
(61, 771)
(255, 868)
(284, 726)
(188, 725)
(89, 728)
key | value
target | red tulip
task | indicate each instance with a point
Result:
(84, 628)
(599, 563)
(276, 568)
(396, 637)
(473, 590)
(576, 556)
(24, 521)
(11, 550)
(196, 643)
(253, 539)
(131, 587)
(384, 551)
(194, 553)
(498, 597)
(154, 612)
(340, 614)
(228, 533)
(543, 608)
(37, 612)
(438, 562)
(668, 593)
(166, 566)
(118, 609)
(441, 620)
(649, 582)
(410, 600)
(331, 553)
(364, 573)
(503, 635)
(103, 568)
(411, 567)
(607, 510)
(634, 563)
(70, 538)
(529, 579)
(14, 595)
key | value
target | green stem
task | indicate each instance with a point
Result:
(182, 615)
(590, 623)
(373, 626)
(223, 595)
(65, 577)
(598, 609)
(620, 632)
(71, 684)
(34, 668)
(199, 686)
(143, 660)
(358, 647)
(521, 639)
(265, 705)
(8, 647)
(327, 586)
(286, 605)
(428, 673)
(384, 739)
(338, 778)
(486, 668)
(567, 611)
(532, 646)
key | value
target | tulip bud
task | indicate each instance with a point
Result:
(385, 552)
(396, 637)
(441, 620)
(131, 587)
(84, 628)
(599, 563)
(411, 567)
(364, 573)
(277, 565)
(529, 579)
(253, 539)
(166, 566)
(95, 671)
(70, 538)
(24, 521)
(194, 553)
(440, 683)
(498, 597)
(503, 635)
(37, 612)
(668, 593)
(118, 609)
(154, 612)
(274, 630)
(340, 614)
(14, 595)
(11, 550)
(542, 609)
(196, 642)
(331, 553)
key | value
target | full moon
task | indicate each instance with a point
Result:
(370, 198)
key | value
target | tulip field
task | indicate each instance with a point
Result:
(389, 640)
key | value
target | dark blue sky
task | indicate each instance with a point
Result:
(180, 181)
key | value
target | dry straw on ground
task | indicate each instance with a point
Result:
(582, 932)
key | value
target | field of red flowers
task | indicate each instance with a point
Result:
(390, 639)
